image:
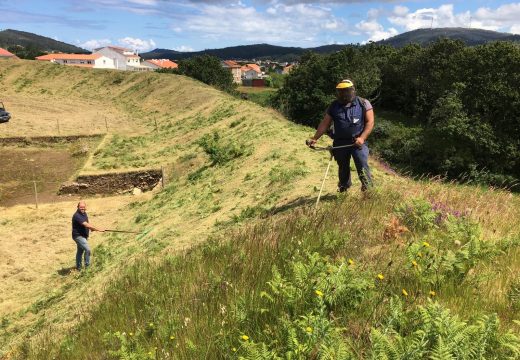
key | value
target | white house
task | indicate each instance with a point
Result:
(124, 59)
(251, 71)
(95, 61)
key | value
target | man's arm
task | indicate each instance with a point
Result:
(369, 125)
(322, 129)
(92, 227)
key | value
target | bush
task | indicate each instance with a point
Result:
(220, 151)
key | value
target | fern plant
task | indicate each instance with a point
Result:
(433, 333)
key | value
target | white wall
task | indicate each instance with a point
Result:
(118, 59)
(104, 63)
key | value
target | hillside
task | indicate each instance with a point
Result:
(257, 51)
(468, 36)
(281, 53)
(231, 259)
(17, 41)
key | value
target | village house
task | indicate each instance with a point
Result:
(96, 61)
(4, 54)
(251, 71)
(123, 58)
(235, 69)
(160, 64)
(287, 69)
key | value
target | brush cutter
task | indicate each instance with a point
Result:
(330, 150)
(122, 231)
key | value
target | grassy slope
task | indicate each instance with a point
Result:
(204, 198)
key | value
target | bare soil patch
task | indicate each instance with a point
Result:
(47, 167)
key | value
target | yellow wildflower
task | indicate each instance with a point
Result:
(419, 254)
(414, 263)
(405, 293)
(172, 337)
(234, 349)
(350, 262)
(130, 334)
(150, 325)
(432, 293)
(425, 244)
(244, 337)
(319, 293)
(380, 276)
(308, 329)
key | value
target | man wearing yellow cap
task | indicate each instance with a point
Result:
(352, 119)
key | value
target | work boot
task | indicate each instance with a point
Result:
(342, 189)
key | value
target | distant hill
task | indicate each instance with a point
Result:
(27, 45)
(469, 36)
(281, 53)
(245, 52)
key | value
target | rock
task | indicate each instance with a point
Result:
(137, 191)
(72, 188)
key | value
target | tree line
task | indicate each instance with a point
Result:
(464, 101)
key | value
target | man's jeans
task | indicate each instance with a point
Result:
(360, 156)
(83, 247)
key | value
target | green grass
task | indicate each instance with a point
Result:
(307, 284)
(271, 277)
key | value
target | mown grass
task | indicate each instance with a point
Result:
(262, 281)
(359, 279)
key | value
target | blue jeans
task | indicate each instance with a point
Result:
(360, 156)
(83, 248)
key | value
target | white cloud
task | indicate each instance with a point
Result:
(137, 44)
(94, 43)
(375, 31)
(183, 48)
(515, 29)
(503, 18)
(297, 25)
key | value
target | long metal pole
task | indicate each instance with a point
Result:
(122, 231)
(323, 182)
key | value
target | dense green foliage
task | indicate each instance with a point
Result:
(207, 69)
(464, 100)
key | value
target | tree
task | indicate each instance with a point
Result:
(208, 69)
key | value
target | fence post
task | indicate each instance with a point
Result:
(156, 127)
(35, 193)
(162, 176)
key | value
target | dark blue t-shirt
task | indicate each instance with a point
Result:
(78, 229)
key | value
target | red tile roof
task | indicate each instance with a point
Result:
(60, 56)
(255, 67)
(164, 63)
(231, 63)
(5, 53)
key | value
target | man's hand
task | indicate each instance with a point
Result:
(311, 142)
(359, 141)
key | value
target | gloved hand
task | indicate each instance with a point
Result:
(310, 142)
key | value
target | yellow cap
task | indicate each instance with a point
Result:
(344, 84)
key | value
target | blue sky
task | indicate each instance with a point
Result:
(187, 25)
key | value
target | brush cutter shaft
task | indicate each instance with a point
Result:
(122, 231)
(328, 148)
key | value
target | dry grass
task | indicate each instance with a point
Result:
(37, 249)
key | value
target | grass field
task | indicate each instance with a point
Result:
(232, 261)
